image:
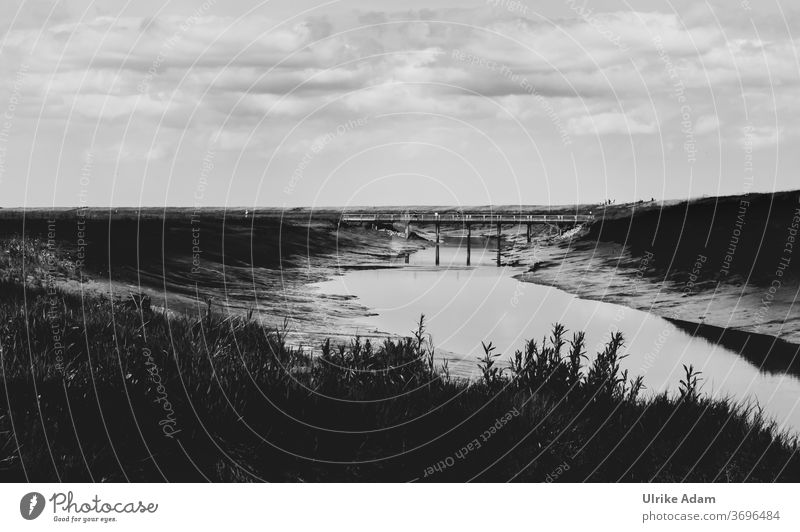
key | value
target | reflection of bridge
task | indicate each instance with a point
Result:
(467, 220)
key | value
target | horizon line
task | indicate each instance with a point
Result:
(387, 206)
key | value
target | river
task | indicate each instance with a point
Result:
(467, 305)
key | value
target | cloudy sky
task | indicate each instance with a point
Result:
(356, 102)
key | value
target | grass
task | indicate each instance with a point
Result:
(35, 262)
(95, 389)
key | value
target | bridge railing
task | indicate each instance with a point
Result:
(466, 217)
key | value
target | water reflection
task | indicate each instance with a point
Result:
(467, 305)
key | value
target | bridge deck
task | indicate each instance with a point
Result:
(467, 218)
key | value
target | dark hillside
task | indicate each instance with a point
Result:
(742, 236)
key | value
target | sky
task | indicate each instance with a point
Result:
(354, 102)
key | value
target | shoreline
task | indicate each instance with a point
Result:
(230, 381)
(610, 274)
(205, 358)
(780, 354)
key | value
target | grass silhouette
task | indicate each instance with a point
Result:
(110, 390)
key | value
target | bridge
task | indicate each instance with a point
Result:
(467, 219)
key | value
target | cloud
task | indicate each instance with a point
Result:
(132, 151)
(223, 66)
(760, 137)
(570, 75)
(612, 123)
(706, 124)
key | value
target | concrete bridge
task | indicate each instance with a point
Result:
(467, 219)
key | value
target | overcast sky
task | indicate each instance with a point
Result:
(355, 102)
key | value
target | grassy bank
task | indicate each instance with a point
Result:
(181, 256)
(97, 389)
(743, 237)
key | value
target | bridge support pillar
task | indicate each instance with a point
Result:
(408, 230)
(499, 226)
(437, 243)
(469, 242)
(528, 232)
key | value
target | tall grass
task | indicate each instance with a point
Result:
(141, 395)
(35, 262)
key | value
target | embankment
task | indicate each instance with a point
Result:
(731, 262)
(182, 258)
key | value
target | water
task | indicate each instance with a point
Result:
(464, 306)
